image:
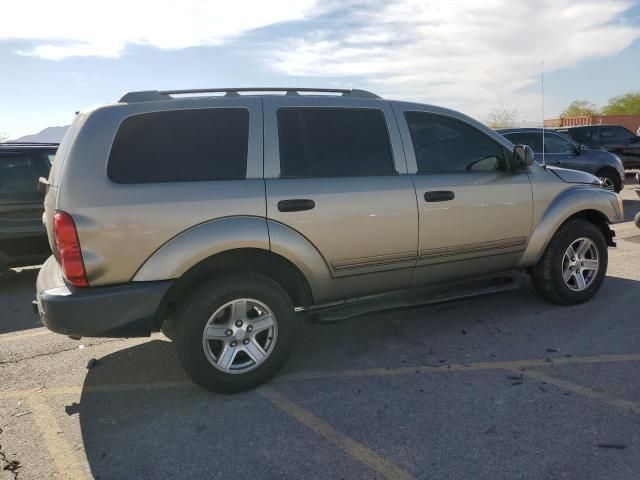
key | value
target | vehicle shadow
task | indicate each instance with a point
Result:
(631, 208)
(17, 291)
(177, 430)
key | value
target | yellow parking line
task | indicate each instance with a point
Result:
(354, 449)
(583, 391)
(104, 388)
(60, 451)
(21, 336)
(444, 368)
(464, 367)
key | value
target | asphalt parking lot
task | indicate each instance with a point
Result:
(502, 386)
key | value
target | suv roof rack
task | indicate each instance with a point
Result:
(27, 144)
(151, 95)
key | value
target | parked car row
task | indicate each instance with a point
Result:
(561, 151)
(612, 138)
(23, 239)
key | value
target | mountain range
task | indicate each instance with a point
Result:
(48, 135)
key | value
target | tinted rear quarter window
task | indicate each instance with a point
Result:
(329, 142)
(580, 135)
(181, 146)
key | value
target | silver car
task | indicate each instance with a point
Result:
(214, 217)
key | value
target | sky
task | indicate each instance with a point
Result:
(59, 57)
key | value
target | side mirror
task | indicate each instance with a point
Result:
(522, 158)
(580, 149)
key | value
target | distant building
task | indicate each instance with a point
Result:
(632, 122)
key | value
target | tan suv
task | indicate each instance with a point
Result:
(214, 217)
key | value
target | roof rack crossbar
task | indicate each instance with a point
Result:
(150, 95)
(37, 144)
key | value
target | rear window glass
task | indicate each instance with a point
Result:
(330, 142)
(181, 146)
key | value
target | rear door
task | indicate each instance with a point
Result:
(625, 144)
(335, 172)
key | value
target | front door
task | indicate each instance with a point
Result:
(560, 152)
(336, 174)
(474, 214)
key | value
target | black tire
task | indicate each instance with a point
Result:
(194, 312)
(547, 274)
(613, 177)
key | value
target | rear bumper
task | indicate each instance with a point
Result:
(128, 310)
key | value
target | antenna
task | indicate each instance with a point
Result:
(542, 86)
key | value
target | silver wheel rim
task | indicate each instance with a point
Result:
(240, 336)
(607, 184)
(580, 264)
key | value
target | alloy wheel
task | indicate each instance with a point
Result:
(240, 336)
(580, 264)
(607, 184)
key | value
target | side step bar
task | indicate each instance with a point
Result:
(415, 297)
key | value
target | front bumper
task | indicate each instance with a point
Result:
(128, 310)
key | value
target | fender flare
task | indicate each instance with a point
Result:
(300, 251)
(187, 249)
(202, 241)
(567, 204)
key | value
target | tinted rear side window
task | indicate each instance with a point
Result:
(581, 135)
(322, 142)
(181, 146)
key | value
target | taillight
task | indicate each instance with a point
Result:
(68, 249)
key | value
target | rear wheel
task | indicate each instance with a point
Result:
(574, 264)
(234, 332)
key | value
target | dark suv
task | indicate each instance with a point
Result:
(23, 239)
(561, 151)
(613, 138)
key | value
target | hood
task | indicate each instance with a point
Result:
(574, 176)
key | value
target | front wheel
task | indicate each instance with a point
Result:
(610, 181)
(234, 332)
(574, 264)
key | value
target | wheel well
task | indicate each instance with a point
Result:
(268, 263)
(599, 219)
(606, 169)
